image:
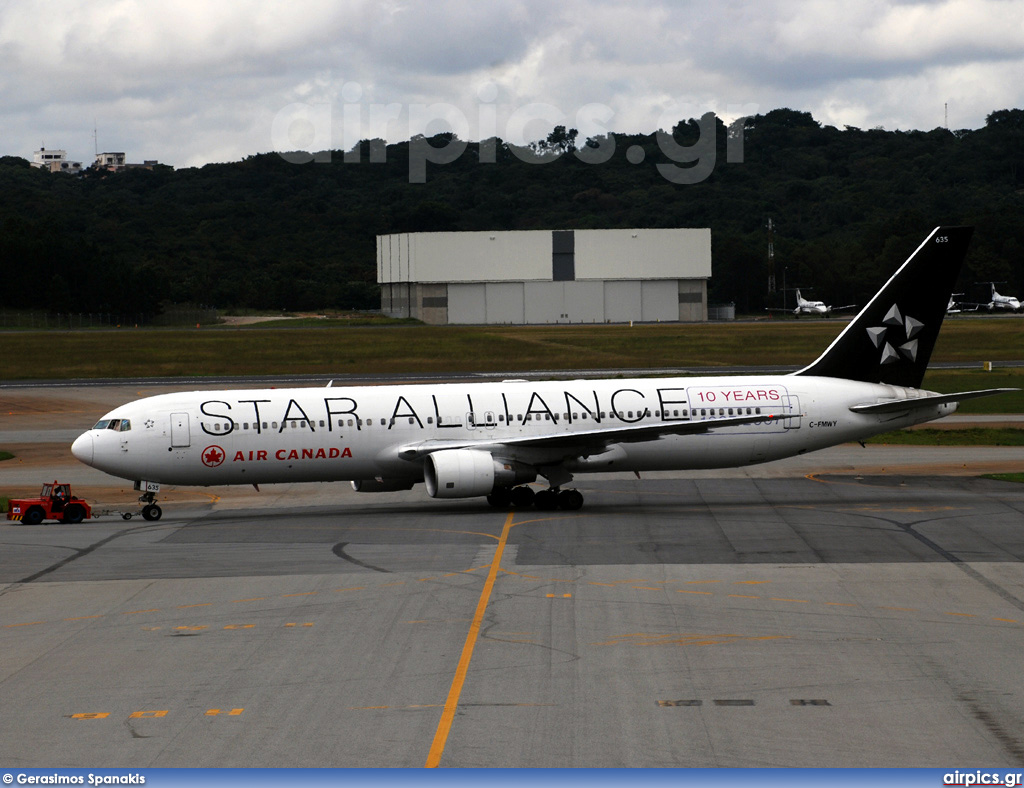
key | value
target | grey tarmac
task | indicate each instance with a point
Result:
(854, 607)
(822, 621)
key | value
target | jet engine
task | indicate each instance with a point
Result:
(465, 473)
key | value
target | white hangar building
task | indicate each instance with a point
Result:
(542, 276)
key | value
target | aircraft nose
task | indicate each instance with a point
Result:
(82, 448)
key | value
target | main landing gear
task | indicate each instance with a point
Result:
(524, 497)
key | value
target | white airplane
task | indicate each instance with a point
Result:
(805, 307)
(493, 439)
(1001, 302)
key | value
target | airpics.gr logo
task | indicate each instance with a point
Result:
(213, 456)
(979, 777)
(887, 335)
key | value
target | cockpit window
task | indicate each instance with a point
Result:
(117, 425)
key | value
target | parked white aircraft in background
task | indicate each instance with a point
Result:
(805, 307)
(492, 439)
(1001, 302)
(954, 307)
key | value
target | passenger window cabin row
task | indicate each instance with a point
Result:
(124, 425)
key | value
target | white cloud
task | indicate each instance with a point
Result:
(189, 82)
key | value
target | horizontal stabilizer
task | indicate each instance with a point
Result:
(901, 405)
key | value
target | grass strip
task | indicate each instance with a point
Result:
(130, 352)
(974, 436)
(1005, 477)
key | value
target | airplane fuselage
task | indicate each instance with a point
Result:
(1006, 303)
(1002, 303)
(805, 307)
(465, 440)
(371, 432)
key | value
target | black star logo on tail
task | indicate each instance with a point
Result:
(886, 336)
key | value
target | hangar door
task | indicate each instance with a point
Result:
(504, 301)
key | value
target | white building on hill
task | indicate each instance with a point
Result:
(55, 161)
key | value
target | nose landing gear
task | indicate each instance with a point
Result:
(150, 511)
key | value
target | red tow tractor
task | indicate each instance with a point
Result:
(55, 502)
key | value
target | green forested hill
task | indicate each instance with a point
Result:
(848, 205)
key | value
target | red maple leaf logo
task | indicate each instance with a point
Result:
(213, 456)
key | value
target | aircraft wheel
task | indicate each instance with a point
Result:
(522, 497)
(500, 497)
(546, 500)
(151, 512)
(74, 514)
(33, 516)
(570, 500)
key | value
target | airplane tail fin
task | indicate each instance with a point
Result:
(891, 339)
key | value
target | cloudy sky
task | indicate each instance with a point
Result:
(189, 82)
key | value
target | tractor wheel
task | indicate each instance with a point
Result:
(74, 513)
(33, 516)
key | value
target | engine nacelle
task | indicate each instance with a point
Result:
(465, 473)
(382, 485)
(459, 473)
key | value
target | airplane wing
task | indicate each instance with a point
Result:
(590, 441)
(901, 405)
(840, 308)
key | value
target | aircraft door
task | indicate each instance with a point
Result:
(180, 436)
(791, 404)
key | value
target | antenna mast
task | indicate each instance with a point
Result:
(771, 256)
